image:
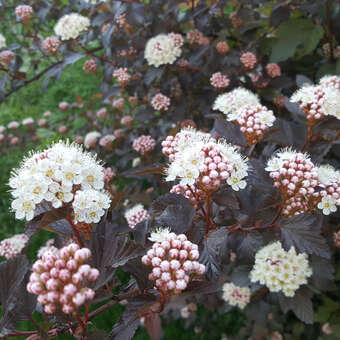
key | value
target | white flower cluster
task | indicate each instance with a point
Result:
(12, 247)
(329, 179)
(318, 101)
(204, 162)
(2, 41)
(280, 270)
(58, 175)
(94, 2)
(236, 296)
(71, 25)
(162, 49)
(231, 102)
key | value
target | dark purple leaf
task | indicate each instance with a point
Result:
(229, 131)
(303, 233)
(301, 304)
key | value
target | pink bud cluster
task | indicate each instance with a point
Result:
(51, 44)
(215, 170)
(331, 81)
(90, 66)
(235, 20)
(127, 121)
(248, 59)
(177, 38)
(122, 76)
(136, 215)
(336, 239)
(222, 47)
(6, 57)
(144, 144)
(64, 106)
(160, 102)
(194, 36)
(59, 279)
(106, 141)
(253, 121)
(273, 70)
(11, 247)
(192, 193)
(174, 263)
(296, 178)
(102, 113)
(24, 13)
(109, 175)
(219, 80)
(119, 104)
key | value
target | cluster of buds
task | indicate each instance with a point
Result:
(24, 13)
(90, 66)
(136, 215)
(6, 57)
(236, 296)
(194, 36)
(106, 141)
(329, 181)
(273, 70)
(336, 239)
(281, 270)
(253, 121)
(160, 102)
(319, 101)
(109, 175)
(331, 81)
(51, 44)
(296, 177)
(192, 193)
(11, 247)
(199, 160)
(174, 261)
(122, 76)
(222, 47)
(327, 51)
(219, 80)
(248, 59)
(59, 279)
(235, 20)
(144, 144)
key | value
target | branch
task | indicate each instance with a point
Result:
(36, 77)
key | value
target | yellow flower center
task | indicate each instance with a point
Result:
(90, 178)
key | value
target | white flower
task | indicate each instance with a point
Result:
(136, 161)
(229, 103)
(304, 95)
(327, 175)
(189, 176)
(58, 194)
(94, 2)
(280, 270)
(2, 41)
(24, 208)
(236, 296)
(89, 205)
(266, 117)
(92, 177)
(53, 175)
(161, 50)
(331, 103)
(160, 234)
(69, 174)
(236, 182)
(328, 205)
(274, 164)
(70, 26)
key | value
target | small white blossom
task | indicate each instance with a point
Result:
(160, 234)
(236, 182)
(24, 208)
(229, 103)
(236, 296)
(280, 270)
(161, 50)
(328, 205)
(70, 26)
(2, 41)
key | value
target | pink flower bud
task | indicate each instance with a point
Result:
(175, 265)
(79, 299)
(67, 309)
(93, 275)
(50, 308)
(165, 266)
(183, 254)
(71, 264)
(42, 299)
(64, 275)
(181, 284)
(194, 255)
(173, 253)
(160, 252)
(52, 296)
(171, 285)
(166, 276)
(70, 289)
(156, 261)
(84, 270)
(187, 266)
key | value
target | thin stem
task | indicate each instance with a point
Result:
(308, 138)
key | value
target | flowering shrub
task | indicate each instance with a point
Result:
(211, 172)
